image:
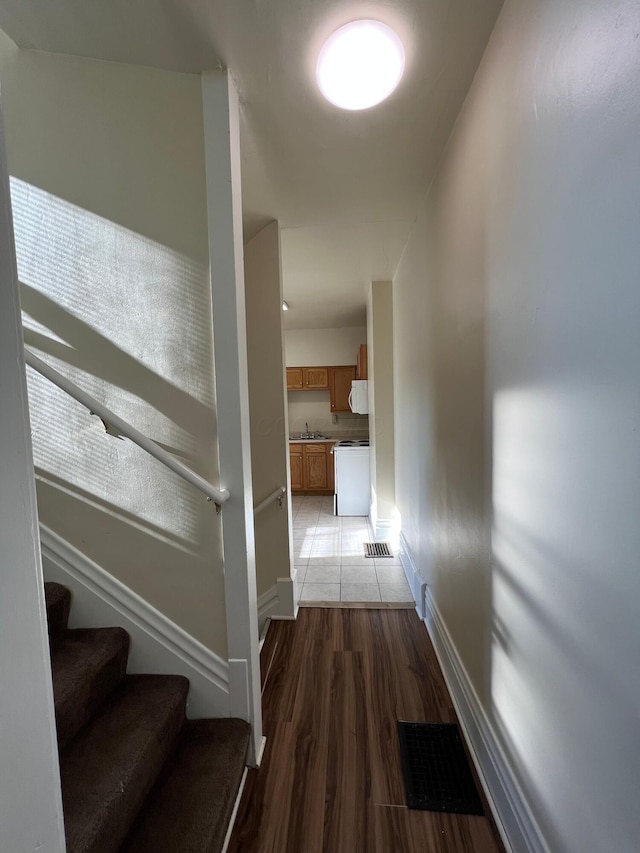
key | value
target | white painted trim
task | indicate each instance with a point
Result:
(385, 528)
(516, 824)
(234, 813)
(417, 585)
(239, 695)
(286, 589)
(278, 602)
(158, 645)
(263, 632)
(260, 756)
(221, 126)
(268, 603)
(31, 802)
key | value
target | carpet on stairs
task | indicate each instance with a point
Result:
(136, 774)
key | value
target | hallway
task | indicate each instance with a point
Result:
(329, 558)
(334, 684)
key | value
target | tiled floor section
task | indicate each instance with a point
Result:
(330, 561)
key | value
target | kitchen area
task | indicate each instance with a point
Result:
(330, 474)
(329, 433)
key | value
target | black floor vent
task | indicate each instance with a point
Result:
(436, 772)
(377, 549)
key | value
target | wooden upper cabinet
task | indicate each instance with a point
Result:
(362, 370)
(316, 378)
(295, 378)
(341, 379)
(307, 378)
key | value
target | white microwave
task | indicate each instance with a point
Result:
(359, 397)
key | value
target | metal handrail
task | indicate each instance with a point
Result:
(278, 495)
(118, 427)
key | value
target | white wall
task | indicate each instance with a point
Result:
(381, 414)
(316, 348)
(108, 183)
(265, 352)
(30, 797)
(516, 309)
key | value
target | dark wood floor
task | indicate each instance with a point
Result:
(335, 682)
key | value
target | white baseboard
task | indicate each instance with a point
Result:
(158, 645)
(268, 603)
(234, 813)
(385, 528)
(517, 826)
(415, 581)
(278, 602)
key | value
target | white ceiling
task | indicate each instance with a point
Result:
(345, 186)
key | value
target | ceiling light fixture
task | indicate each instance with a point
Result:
(360, 65)
(285, 306)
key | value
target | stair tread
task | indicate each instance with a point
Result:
(190, 807)
(87, 664)
(58, 602)
(114, 761)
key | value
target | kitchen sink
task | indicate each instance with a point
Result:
(308, 436)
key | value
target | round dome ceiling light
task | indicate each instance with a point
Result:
(360, 65)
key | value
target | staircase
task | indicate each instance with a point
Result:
(137, 776)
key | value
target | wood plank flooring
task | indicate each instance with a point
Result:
(334, 684)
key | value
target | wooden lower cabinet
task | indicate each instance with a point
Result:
(311, 467)
(315, 467)
(297, 467)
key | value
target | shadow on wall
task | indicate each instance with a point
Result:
(129, 321)
(539, 647)
(455, 351)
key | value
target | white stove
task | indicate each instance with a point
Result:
(352, 479)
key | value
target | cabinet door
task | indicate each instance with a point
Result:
(297, 470)
(316, 378)
(362, 369)
(315, 467)
(341, 379)
(294, 378)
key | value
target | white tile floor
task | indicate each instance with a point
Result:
(330, 561)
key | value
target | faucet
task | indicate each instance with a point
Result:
(306, 427)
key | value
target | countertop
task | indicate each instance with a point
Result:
(312, 440)
(351, 436)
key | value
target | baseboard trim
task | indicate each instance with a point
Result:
(234, 813)
(517, 826)
(158, 645)
(261, 749)
(278, 602)
(268, 604)
(384, 528)
(415, 581)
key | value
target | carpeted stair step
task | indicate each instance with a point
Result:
(87, 664)
(110, 767)
(190, 807)
(58, 601)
